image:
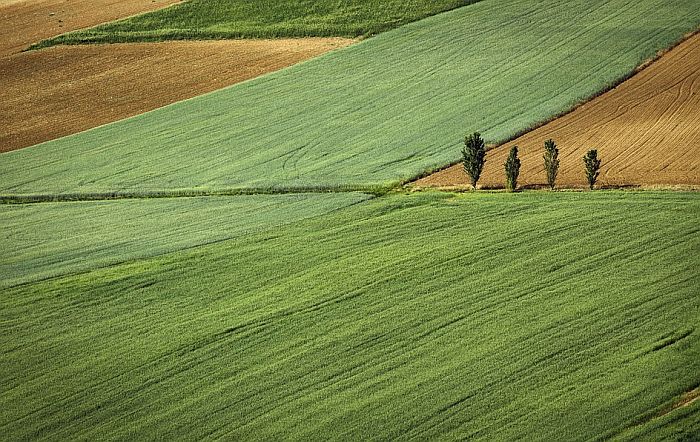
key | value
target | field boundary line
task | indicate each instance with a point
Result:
(375, 190)
(605, 89)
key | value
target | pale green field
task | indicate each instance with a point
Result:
(52, 239)
(376, 113)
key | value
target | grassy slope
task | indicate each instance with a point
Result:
(535, 315)
(381, 111)
(45, 240)
(216, 19)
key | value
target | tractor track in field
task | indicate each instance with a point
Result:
(646, 130)
(685, 400)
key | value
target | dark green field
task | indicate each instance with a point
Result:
(220, 19)
(555, 316)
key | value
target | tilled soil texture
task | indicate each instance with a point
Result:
(28, 21)
(67, 89)
(646, 130)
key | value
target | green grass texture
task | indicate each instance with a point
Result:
(52, 239)
(226, 19)
(380, 112)
(683, 424)
(492, 316)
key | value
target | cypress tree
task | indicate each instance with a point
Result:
(474, 156)
(551, 162)
(512, 167)
(592, 165)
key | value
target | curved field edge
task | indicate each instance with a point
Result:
(646, 130)
(379, 112)
(222, 19)
(87, 86)
(53, 239)
(27, 22)
(563, 316)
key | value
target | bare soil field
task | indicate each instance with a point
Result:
(63, 90)
(28, 21)
(646, 130)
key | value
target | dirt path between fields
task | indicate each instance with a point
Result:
(646, 130)
(28, 21)
(63, 90)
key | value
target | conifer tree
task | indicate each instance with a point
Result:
(512, 167)
(551, 162)
(474, 156)
(592, 165)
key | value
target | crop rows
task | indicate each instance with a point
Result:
(539, 315)
(52, 239)
(376, 113)
(224, 19)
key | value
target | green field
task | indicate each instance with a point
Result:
(48, 240)
(540, 315)
(210, 301)
(376, 113)
(225, 19)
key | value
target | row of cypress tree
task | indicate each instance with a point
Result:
(474, 158)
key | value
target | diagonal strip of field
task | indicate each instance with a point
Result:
(647, 132)
(226, 19)
(27, 21)
(382, 111)
(52, 239)
(64, 90)
(562, 316)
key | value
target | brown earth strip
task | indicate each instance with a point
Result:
(67, 89)
(646, 130)
(685, 400)
(28, 21)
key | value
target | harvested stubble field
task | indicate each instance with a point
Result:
(28, 21)
(646, 130)
(564, 316)
(63, 90)
(379, 112)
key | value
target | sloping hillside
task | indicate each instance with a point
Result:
(64, 90)
(225, 19)
(379, 112)
(56, 239)
(647, 132)
(562, 316)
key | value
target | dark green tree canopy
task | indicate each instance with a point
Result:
(551, 162)
(474, 156)
(592, 165)
(512, 167)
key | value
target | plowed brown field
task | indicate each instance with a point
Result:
(646, 130)
(28, 21)
(67, 89)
